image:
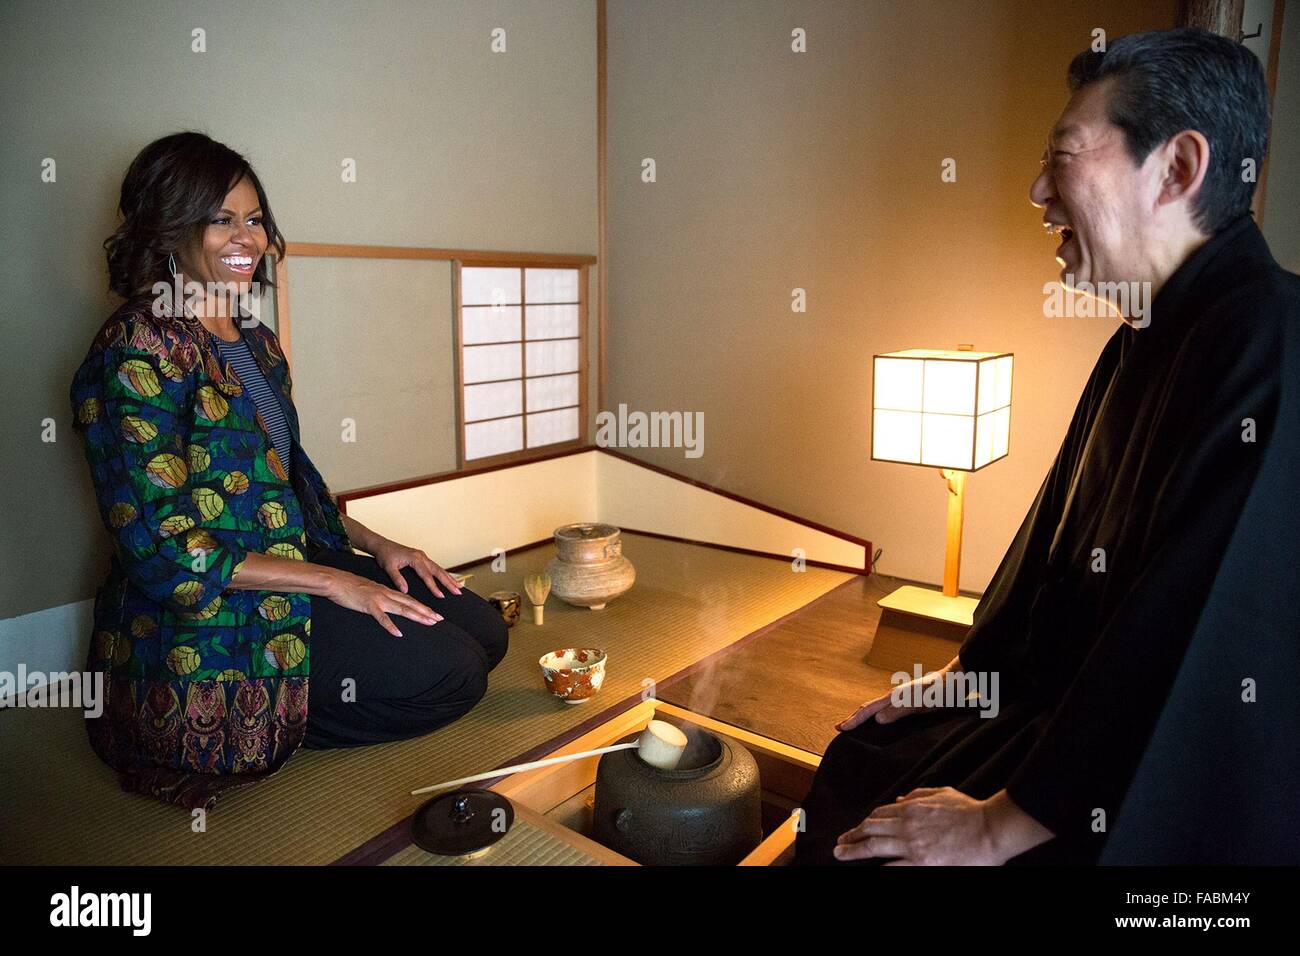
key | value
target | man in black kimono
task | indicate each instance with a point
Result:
(1091, 610)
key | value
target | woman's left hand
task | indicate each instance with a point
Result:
(392, 557)
(929, 826)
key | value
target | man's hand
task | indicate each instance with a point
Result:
(886, 711)
(944, 827)
(927, 827)
(392, 557)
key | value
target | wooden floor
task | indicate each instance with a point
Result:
(796, 681)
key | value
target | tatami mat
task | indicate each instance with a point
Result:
(523, 845)
(60, 805)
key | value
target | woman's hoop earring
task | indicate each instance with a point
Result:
(171, 264)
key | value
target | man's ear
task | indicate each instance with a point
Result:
(1186, 160)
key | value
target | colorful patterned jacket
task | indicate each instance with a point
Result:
(205, 685)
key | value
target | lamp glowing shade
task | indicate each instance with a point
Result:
(946, 409)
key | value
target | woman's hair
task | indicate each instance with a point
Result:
(170, 193)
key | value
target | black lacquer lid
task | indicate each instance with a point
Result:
(462, 822)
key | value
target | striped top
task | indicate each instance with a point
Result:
(241, 359)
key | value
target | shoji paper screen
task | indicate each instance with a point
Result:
(521, 350)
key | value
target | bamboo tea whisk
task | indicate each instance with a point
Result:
(538, 588)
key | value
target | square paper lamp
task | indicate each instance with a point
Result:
(951, 410)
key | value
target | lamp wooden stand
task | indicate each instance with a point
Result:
(948, 606)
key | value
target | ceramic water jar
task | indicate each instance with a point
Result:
(589, 569)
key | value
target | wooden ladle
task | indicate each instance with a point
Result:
(660, 745)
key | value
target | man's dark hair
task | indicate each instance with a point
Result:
(174, 187)
(1168, 81)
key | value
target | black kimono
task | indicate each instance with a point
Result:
(1220, 780)
(1091, 610)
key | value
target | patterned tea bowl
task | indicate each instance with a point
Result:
(574, 674)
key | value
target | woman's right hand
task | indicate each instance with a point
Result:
(370, 597)
(886, 711)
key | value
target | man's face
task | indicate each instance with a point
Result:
(1093, 194)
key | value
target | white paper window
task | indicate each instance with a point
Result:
(497, 437)
(553, 391)
(491, 363)
(552, 357)
(491, 323)
(548, 428)
(495, 400)
(481, 286)
(552, 321)
(521, 347)
(552, 285)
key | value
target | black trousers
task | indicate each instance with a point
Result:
(368, 687)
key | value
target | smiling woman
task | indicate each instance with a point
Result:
(227, 543)
(165, 216)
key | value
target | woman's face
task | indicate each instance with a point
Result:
(232, 244)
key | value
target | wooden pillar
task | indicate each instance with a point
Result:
(1224, 17)
(1270, 77)
(1220, 16)
(282, 305)
(602, 205)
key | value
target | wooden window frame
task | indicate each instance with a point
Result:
(458, 258)
(523, 263)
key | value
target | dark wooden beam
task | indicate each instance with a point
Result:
(1270, 75)
(1221, 16)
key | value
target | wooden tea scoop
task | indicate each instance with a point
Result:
(660, 745)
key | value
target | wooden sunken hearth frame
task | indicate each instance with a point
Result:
(785, 774)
